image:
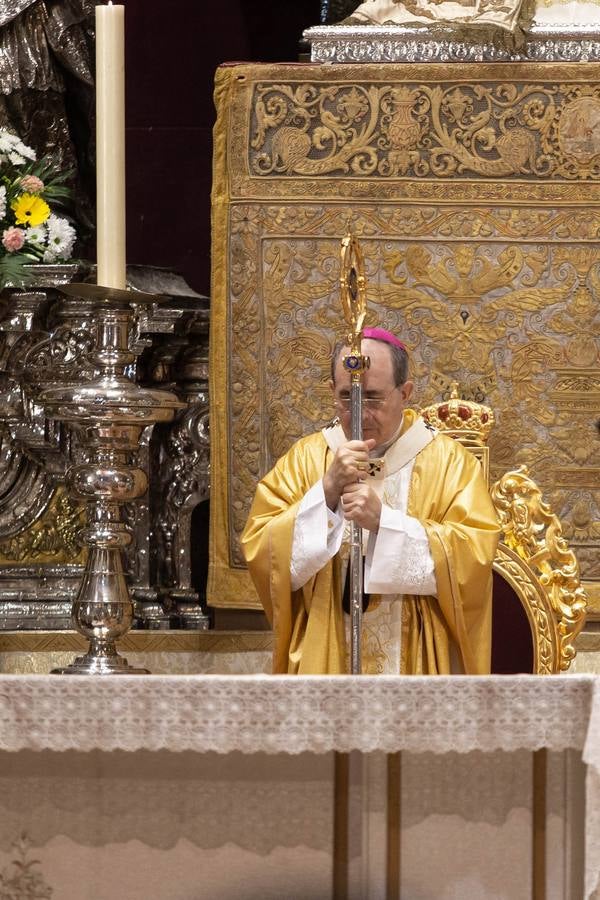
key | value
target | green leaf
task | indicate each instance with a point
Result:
(13, 272)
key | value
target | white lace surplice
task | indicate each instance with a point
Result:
(397, 562)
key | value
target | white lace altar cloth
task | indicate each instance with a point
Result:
(283, 714)
(291, 714)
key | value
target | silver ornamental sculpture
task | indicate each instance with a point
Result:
(108, 413)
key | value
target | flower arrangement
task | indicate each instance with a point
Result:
(31, 231)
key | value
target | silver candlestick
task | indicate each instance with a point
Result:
(109, 413)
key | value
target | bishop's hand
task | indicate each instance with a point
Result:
(361, 505)
(348, 467)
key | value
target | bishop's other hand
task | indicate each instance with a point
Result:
(362, 505)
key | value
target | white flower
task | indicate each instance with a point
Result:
(61, 237)
(37, 235)
(24, 150)
(2, 201)
(13, 148)
(6, 142)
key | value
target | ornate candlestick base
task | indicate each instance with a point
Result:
(109, 412)
(103, 619)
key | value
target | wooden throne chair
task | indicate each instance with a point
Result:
(538, 602)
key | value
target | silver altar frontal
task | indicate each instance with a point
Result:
(397, 44)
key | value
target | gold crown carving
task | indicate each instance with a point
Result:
(465, 420)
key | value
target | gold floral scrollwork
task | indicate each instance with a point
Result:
(532, 532)
(505, 130)
(305, 130)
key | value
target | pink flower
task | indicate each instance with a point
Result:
(32, 184)
(13, 239)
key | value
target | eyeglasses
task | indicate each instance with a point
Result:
(373, 404)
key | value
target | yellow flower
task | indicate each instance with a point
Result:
(30, 210)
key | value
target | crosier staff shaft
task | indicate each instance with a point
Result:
(354, 303)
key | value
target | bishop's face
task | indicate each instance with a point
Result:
(383, 401)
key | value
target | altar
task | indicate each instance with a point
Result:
(314, 787)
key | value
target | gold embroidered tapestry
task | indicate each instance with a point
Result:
(475, 193)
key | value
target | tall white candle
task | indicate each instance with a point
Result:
(110, 145)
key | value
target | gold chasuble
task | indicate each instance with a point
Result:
(448, 494)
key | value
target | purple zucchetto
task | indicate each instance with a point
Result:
(380, 334)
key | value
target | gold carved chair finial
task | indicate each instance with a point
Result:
(468, 421)
(465, 420)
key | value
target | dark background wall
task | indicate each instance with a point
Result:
(172, 52)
